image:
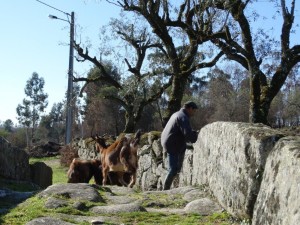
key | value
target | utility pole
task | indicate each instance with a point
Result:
(69, 117)
(69, 107)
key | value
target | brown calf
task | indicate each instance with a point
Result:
(120, 157)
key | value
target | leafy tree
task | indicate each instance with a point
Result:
(18, 137)
(8, 125)
(4, 133)
(52, 126)
(32, 106)
(220, 96)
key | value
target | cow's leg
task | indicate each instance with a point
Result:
(105, 174)
(132, 180)
(120, 178)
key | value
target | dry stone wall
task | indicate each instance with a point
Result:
(151, 167)
(86, 148)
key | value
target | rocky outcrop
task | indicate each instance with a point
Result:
(90, 198)
(278, 201)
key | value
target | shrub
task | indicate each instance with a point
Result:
(67, 154)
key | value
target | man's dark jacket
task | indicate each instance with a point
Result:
(177, 132)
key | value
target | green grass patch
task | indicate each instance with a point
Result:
(24, 212)
(59, 174)
(43, 159)
(145, 218)
(34, 207)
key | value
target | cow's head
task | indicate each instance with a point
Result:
(135, 141)
(100, 143)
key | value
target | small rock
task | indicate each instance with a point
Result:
(132, 207)
(97, 222)
(203, 206)
(54, 203)
(48, 221)
(79, 206)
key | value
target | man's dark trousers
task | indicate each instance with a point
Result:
(175, 165)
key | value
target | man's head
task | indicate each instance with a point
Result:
(190, 108)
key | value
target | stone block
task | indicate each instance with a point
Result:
(41, 174)
(230, 158)
(278, 201)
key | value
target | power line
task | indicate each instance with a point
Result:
(53, 7)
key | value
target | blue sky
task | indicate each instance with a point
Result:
(31, 42)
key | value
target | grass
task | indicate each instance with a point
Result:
(24, 212)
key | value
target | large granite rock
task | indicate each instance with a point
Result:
(278, 201)
(14, 163)
(230, 159)
(79, 192)
(41, 174)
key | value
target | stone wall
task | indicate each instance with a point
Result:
(86, 148)
(151, 166)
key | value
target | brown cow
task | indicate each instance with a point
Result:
(120, 157)
(81, 171)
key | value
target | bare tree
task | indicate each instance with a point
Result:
(242, 47)
(135, 92)
(175, 25)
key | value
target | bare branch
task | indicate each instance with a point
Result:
(104, 75)
(206, 64)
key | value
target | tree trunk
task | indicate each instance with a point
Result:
(27, 137)
(176, 95)
(130, 123)
(260, 99)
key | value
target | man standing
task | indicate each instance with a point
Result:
(176, 133)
